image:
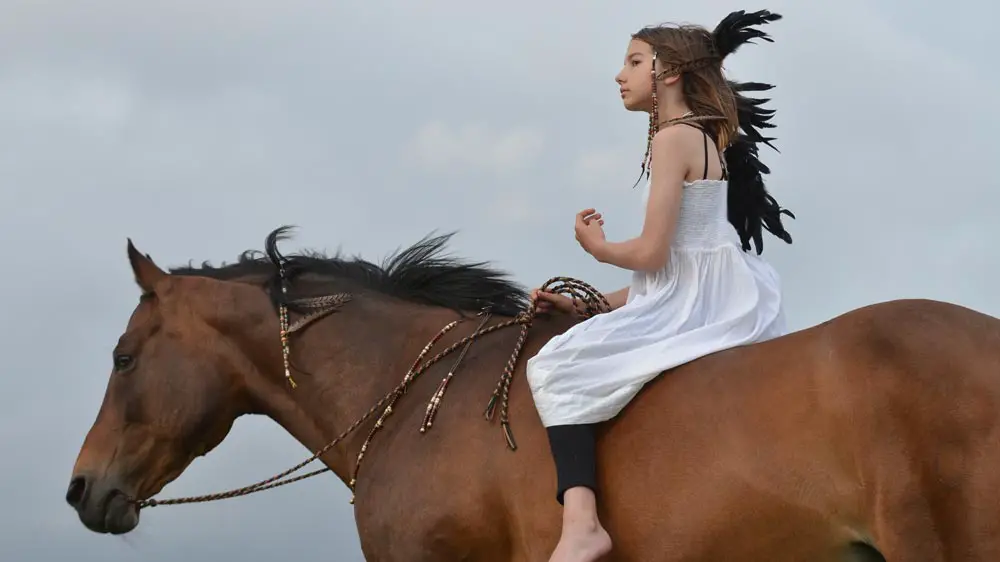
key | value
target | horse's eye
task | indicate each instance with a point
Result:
(123, 361)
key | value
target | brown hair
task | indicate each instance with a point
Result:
(690, 51)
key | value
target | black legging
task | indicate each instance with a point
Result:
(573, 450)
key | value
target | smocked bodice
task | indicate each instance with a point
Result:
(703, 218)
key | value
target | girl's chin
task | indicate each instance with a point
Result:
(632, 106)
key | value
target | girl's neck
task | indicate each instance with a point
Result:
(671, 112)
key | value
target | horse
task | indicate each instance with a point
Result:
(871, 436)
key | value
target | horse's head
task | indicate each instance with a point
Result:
(176, 386)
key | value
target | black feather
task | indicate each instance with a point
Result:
(751, 208)
(734, 30)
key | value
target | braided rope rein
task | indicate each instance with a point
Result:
(594, 301)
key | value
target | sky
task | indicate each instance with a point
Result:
(195, 128)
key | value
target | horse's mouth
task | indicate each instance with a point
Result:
(120, 514)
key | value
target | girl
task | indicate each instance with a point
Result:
(695, 288)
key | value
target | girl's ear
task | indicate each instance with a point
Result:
(658, 71)
(670, 80)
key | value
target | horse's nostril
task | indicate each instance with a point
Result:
(77, 488)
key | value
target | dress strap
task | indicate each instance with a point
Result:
(722, 159)
(705, 174)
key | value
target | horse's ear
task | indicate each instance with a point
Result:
(147, 274)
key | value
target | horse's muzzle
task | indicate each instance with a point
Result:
(102, 505)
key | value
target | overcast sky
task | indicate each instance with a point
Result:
(195, 128)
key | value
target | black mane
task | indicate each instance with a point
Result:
(421, 273)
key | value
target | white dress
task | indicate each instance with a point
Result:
(710, 296)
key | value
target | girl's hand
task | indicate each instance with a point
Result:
(546, 302)
(589, 230)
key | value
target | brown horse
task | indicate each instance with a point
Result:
(875, 433)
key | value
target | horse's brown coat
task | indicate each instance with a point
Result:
(877, 426)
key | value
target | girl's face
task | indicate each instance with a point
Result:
(634, 80)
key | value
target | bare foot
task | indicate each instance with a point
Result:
(582, 542)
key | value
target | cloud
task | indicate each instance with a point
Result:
(606, 168)
(439, 147)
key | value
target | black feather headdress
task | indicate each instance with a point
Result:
(751, 207)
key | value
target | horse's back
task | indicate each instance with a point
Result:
(875, 428)
(878, 426)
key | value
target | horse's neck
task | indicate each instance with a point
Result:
(346, 363)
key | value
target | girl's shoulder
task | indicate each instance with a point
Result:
(680, 135)
(684, 148)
